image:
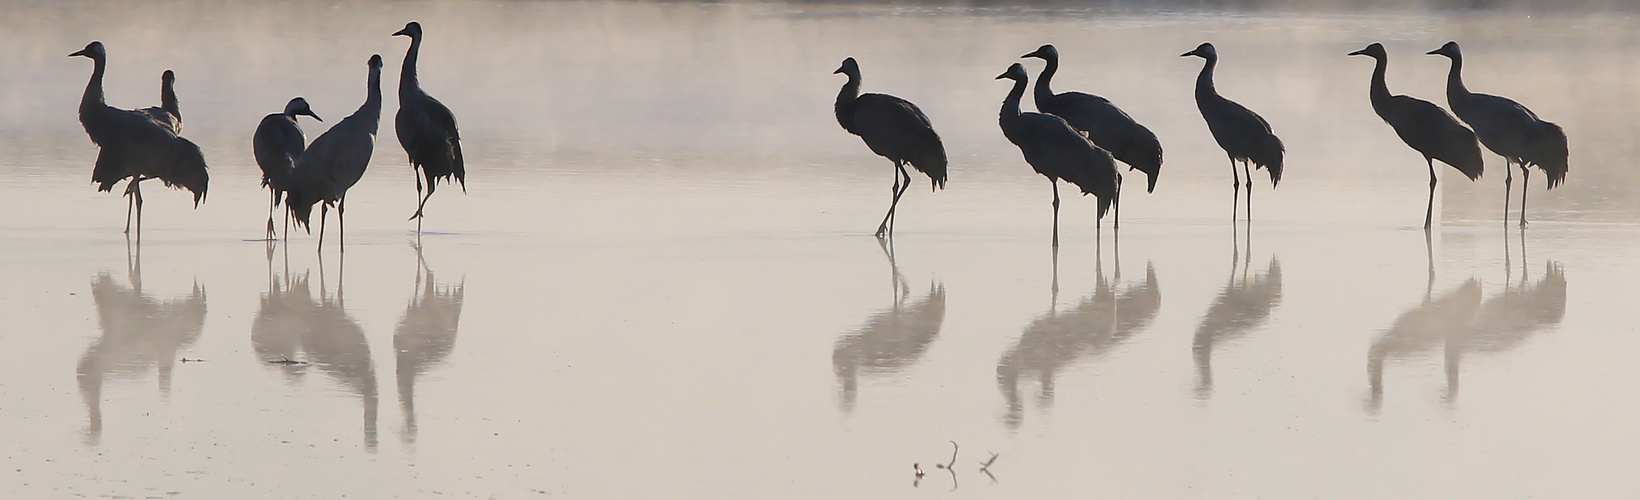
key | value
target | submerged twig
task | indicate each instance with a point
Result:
(285, 361)
(953, 462)
(987, 463)
(194, 360)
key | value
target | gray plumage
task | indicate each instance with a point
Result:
(168, 114)
(1105, 124)
(426, 128)
(134, 145)
(1243, 134)
(1056, 150)
(1508, 129)
(336, 160)
(277, 144)
(1424, 126)
(893, 128)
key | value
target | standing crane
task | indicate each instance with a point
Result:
(1424, 126)
(278, 143)
(1056, 150)
(893, 128)
(335, 161)
(1243, 134)
(426, 128)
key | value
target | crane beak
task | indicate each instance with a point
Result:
(1188, 54)
(1037, 54)
(401, 33)
(1357, 53)
(1001, 76)
(80, 52)
(1436, 52)
(314, 115)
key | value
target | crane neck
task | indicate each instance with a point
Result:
(372, 107)
(168, 98)
(845, 102)
(94, 88)
(1043, 92)
(1204, 80)
(1010, 104)
(1380, 89)
(407, 72)
(1454, 79)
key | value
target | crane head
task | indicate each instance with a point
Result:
(849, 67)
(1204, 51)
(1375, 51)
(375, 61)
(1045, 52)
(299, 106)
(1016, 72)
(168, 76)
(411, 29)
(1449, 50)
(92, 50)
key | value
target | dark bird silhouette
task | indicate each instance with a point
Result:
(1508, 129)
(1106, 125)
(425, 337)
(1099, 324)
(426, 128)
(168, 114)
(1056, 150)
(139, 333)
(1424, 328)
(1243, 134)
(1426, 127)
(893, 128)
(336, 160)
(278, 143)
(135, 146)
(1245, 304)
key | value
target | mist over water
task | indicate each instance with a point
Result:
(661, 282)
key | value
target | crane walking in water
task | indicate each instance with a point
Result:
(1424, 126)
(1056, 150)
(278, 143)
(135, 146)
(335, 161)
(1105, 124)
(1243, 134)
(1508, 129)
(893, 128)
(426, 129)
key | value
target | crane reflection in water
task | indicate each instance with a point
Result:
(1245, 305)
(425, 336)
(892, 340)
(294, 330)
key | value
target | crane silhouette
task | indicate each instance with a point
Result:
(1425, 127)
(133, 145)
(168, 114)
(1105, 124)
(893, 128)
(1056, 150)
(278, 143)
(1243, 134)
(336, 160)
(426, 129)
(1508, 129)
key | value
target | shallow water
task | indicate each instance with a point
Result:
(661, 281)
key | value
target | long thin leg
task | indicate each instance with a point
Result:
(1235, 190)
(882, 229)
(341, 225)
(273, 200)
(904, 182)
(1247, 170)
(324, 210)
(130, 203)
(1429, 212)
(1508, 180)
(137, 193)
(1116, 223)
(431, 186)
(1055, 184)
(287, 227)
(1526, 179)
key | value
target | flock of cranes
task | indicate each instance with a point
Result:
(1079, 138)
(143, 144)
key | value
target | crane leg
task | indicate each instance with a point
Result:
(341, 224)
(1429, 212)
(1235, 190)
(137, 195)
(273, 200)
(1526, 179)
(882, 229)
(1247, 171)
(1055, 213)
(1508, 181)
(324, 210)
(905, 184)
(1116, 222)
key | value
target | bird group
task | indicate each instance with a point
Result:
(1079, 138)
(147, 144)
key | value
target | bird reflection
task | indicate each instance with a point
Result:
(1245, 304)
(425, 336)
(892, 340)
(1098, 324)
(139, 333)
(1423, 328)
(294, 329)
